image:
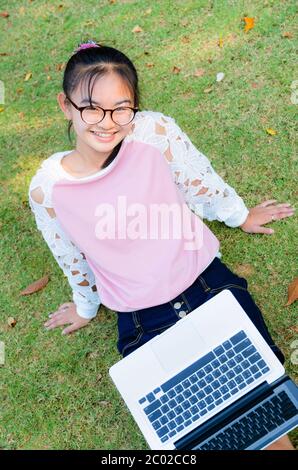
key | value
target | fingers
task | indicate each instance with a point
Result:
(272, 201)
(281, 214)
(267, 203)
(57, 320)
(265, 230)
(71, 329)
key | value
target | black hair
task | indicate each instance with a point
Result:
(91, 63)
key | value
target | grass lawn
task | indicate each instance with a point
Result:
(55, 390)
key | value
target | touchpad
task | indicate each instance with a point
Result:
(177, 346)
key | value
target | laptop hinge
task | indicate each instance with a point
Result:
(224, 417)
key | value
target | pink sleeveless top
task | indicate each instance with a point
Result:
(143, 243)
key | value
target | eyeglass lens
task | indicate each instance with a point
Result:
(120, 116)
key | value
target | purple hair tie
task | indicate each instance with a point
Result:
(86, 45)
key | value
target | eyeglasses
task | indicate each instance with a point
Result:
(95, 114)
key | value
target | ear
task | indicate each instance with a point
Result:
(64, 105)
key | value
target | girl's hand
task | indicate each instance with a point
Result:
(66, 313)
(264, 213)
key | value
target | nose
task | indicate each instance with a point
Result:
(107, 121)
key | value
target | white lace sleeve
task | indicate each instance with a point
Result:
(204, 190)
(68, 256)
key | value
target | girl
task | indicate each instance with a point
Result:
(127, 161)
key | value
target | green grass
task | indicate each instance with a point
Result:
(55, 390)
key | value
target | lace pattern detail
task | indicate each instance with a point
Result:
(70, 259)
(204, 190)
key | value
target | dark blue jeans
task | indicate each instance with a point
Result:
(136, 328)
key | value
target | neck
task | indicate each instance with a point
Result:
(90, 158)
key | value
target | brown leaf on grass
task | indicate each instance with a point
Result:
(199, 72)
(1, 109)
(4, 14)
(287, 35)
(176, 69)
(2, 54)
(137, 29)
(208, 90)
(292, 292)
(19, 90)
(249, 23)
(21, 115)
(36, 286)
(150, 64)
(60, 67)
(11, 322)
(185, 39)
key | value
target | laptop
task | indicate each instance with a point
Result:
(209, 382)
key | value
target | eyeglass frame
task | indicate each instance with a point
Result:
(82, 108)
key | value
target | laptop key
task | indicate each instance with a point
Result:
(150, 408)
(150, 397)
(238, 337)
(164, 430)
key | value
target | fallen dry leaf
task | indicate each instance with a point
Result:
(1, 109)
(20, 90)
(271, 131)
(199, 72)
(150, 64)
(176, 69)
(21, 115)
(208, 90)
(2, 54)
(137, 29)
(220, 42)
(249, 23)
(287, 35)
(36, 286)
(148, 11)
(185, 39)
(60, 67)
(28, 76)
(11, 322)
(292, 292)
(4, 14)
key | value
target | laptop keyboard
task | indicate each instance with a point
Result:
(256, 424)
(203, 386)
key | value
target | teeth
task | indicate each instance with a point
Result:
(102, 135)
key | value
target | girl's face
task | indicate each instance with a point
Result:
(109, 92)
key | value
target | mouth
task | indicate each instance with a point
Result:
(104, 136)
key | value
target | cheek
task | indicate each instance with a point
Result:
(79, 126)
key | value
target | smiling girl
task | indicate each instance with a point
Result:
(144, 157)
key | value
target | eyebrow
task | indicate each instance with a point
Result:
(86, 100)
